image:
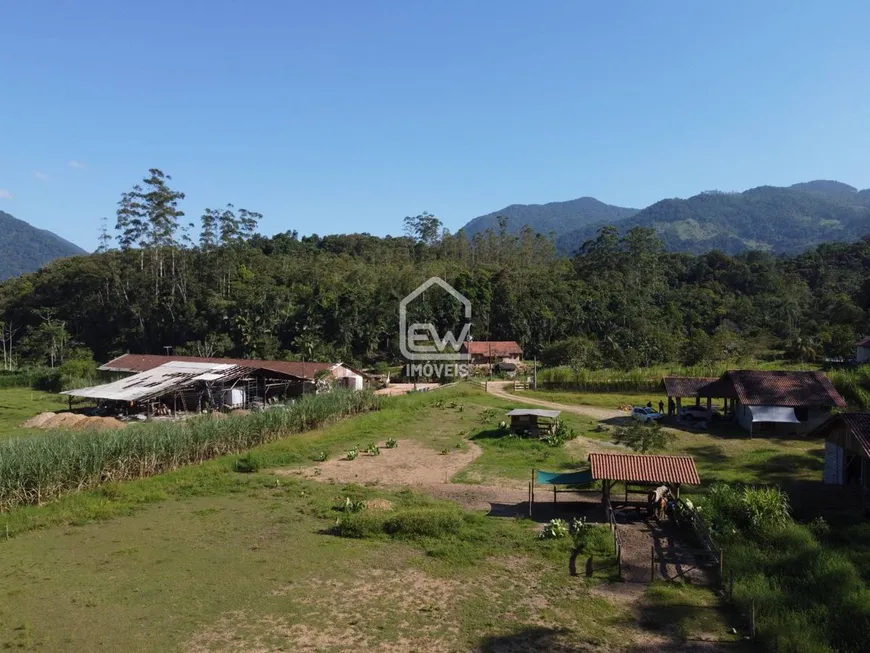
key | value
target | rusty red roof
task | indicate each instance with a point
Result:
(144, 362)
(779, 388)
(644, 468)
(493, 348)
(687, 386)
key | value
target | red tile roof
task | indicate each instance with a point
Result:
(644, 468)
(493, 348)
(756, 388)
(687, 386)
(145, 362)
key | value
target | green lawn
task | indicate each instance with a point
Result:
(17, 405)
(614, 400)
(205, 558)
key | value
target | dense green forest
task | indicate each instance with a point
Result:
(217, 287)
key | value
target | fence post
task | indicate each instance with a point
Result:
(652, 564)
(731, 587)
(722, 565)
(618, 560)
(752, 620)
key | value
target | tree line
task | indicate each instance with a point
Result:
(621, 301)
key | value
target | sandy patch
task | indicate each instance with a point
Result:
(409, 464)
(72, 421)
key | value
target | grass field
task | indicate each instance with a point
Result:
(17, 405)
(205, 558)
(612, 400)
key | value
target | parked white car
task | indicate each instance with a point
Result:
(645, 414)
(693, 413)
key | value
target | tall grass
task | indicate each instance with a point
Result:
(854, 385)
(37, 470)
(807, 597)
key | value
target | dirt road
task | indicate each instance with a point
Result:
(497, 388)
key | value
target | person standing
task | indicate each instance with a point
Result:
(661, 407)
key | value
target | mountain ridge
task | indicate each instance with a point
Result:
(25, 248)
(780, 219)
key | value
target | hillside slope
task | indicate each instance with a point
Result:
(24, 248)
(768, 218)
(555, 217)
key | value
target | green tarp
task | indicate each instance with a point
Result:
(568, 478)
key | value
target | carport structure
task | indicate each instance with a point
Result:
(691, 387)
(613, 468)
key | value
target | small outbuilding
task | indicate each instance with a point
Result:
(847, 449)
(533, 422)
(482, 352)
(673, 471)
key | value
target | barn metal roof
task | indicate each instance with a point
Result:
(169, 377)
(644, 468)
(144, 362)
(539, 412)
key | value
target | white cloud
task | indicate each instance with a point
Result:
(78, 165)
(5, 194)
(39, 174)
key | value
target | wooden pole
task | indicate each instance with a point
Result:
(530, 500)
(652, 564)
(731, 587)
(554, 494)
(752, 620)
(531, 503)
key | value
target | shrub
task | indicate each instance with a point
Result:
(391, 443)
(361, 524)
(643, 438)
(373, 450)
(425, 522)
(247, 464)
(353, 506)
(555, 529)
(352, 454)
(322, 457)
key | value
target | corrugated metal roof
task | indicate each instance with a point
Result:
(169, 377)
(642, 468)
(145, 362)
(757, 388)
(688, 386)
(863, 343)
(519, 412)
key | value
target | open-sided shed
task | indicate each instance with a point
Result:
(533, 421)
(673, 471)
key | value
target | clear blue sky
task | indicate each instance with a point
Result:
(333, 117)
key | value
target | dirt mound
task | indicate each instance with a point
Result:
(38, 421)
(73, 421)
(379, 505)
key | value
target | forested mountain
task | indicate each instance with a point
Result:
(768, 218)
(622, 301)
(24, 248)
(555, 217)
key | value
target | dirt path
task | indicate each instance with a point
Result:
(497, 388)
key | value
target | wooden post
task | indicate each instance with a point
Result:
(554, 494)
(532, 502)
(752, 620)
(652, 564)
(722, 568)
(731, 587)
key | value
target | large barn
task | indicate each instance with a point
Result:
(760, 400)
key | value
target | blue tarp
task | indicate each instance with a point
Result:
(567, 478)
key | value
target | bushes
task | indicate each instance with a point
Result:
(36, 470)
(642, 437)
(407, 523)
(732, 509)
